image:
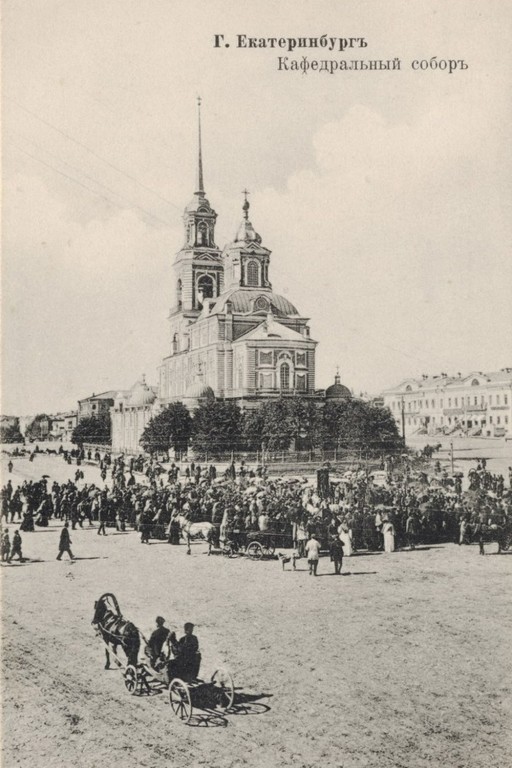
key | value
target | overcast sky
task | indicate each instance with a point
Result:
(385, 197)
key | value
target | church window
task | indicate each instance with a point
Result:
(261, 303)
(202, 233)
(179, 288)
(475, 383)
(301, 358)
(284, 376)
(265, 381)
(253, 274)
(301, 382)
(204, 290)
(265, 358)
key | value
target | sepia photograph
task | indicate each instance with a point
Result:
(256, 333)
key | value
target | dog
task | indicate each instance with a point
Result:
(288, 559)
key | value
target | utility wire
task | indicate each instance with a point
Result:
(89, 189)
(90, 178)
(95, 154)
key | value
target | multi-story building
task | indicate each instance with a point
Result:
(63, 425)
(96, 405)
(231, 336)
(476, 404)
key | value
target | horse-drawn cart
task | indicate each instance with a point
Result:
(258, 544)
(184, 692)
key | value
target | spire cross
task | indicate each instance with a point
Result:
(245, 206)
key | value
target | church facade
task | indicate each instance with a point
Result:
(230, 335)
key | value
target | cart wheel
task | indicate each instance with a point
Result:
(131, 679)
(179, 699)
(228, 549)
(224, 687)
(254, 550)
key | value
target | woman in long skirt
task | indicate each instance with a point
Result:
(388, 531)
(345, 536)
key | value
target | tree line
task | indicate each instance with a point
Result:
(219, 426)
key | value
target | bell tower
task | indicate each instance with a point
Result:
(198, 265)
(246, 260)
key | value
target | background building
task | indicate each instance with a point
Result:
(476, 404)
(63, 425)
(96, 404)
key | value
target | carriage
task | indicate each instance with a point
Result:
(259, 544)
(184, 693)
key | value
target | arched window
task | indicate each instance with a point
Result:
(284, 376)
(179, 287)
(253, 274)
(205, 287)
(202, 233)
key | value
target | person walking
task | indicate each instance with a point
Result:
(65, 543)
(102, 514)
(411, 530)
(336, 552)
(16, 547)
(313, 553)
(5, 545)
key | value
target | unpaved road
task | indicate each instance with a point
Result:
(404, 661)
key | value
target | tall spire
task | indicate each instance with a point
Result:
(200, 183)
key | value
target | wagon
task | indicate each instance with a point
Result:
(263, 543)
(140, 676)
(186, 693)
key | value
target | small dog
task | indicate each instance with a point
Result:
(287, 559)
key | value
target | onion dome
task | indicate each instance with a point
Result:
(337, 391)
(141, 394)
(246, 232)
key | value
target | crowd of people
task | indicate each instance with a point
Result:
(413, 502)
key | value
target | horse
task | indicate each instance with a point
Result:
(115, 630)
(486, 534)
(192, 531)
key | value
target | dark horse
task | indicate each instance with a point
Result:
(115, 630)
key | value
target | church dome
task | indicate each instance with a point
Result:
(199, 391)
(141, 394)
(242, 301)
(246, 233)
(337, 391)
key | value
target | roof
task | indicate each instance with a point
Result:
(198, 390)
(110, 395)
(141, 394)
(270, 329)
(337, 391)
(243, 299)
(428, 382)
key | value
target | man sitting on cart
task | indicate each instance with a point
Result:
(156, 643)
(187, 657)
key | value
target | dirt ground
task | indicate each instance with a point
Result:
(402, 662)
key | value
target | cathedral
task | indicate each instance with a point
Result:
(230, 335)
